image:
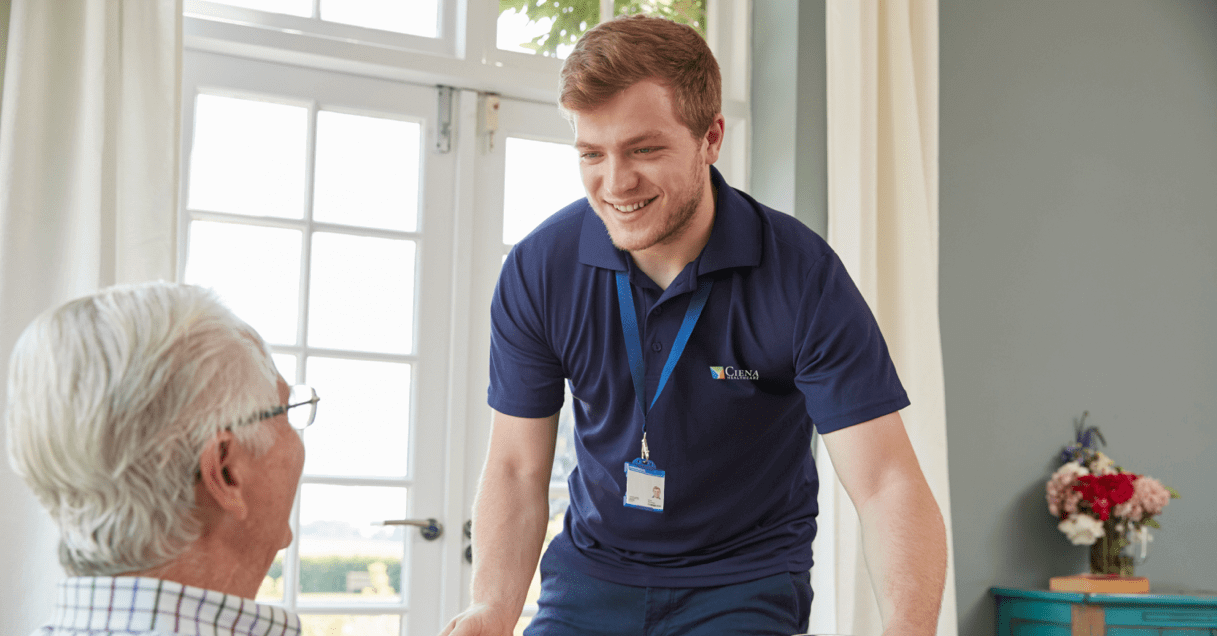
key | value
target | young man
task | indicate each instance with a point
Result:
(151, 423)
(703, 335)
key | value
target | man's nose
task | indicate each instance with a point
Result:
(620, 177)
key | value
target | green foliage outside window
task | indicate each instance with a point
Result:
(574, 17)
(328, 575)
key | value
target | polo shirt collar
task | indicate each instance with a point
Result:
(735, 240)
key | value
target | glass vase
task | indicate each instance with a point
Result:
(1109, 555)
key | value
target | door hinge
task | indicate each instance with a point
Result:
(490, 118)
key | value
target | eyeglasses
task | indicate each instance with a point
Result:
(300, 418)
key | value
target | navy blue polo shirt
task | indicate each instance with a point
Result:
(797, 347)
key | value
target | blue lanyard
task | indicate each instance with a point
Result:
(633, 342)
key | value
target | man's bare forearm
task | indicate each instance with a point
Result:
(904, 539)
(509, 520)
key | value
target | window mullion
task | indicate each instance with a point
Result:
(290, 596)
(306, 251)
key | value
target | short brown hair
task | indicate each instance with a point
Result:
(619, 53)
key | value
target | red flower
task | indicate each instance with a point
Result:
(1104, 491)
(1120, 486)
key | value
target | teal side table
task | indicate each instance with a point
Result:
(1042, 613)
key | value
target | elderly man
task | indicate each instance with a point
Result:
(152, 424)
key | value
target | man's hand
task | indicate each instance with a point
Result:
(480, 620)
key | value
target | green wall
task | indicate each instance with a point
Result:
(1078, 272)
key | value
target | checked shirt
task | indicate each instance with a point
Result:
(103, 605)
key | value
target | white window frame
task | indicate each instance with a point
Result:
(464, 56)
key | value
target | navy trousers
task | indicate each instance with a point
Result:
(575, 604)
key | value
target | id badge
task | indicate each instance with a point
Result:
(644, 487)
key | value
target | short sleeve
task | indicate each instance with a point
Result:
(525, 374)
(842, 364)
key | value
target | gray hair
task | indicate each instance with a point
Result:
(111, 399)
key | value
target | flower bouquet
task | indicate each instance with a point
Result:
(1101, 505)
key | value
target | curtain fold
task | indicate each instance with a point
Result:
(883, 221)
(89, 138)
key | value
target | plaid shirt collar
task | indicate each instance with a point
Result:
(137, 605)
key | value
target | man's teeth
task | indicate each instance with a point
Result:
(632, 207)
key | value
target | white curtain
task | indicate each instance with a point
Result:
(88, 197)
(883, 221)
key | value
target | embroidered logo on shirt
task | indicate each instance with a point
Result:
(732, 373)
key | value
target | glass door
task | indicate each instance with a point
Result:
(319, 208)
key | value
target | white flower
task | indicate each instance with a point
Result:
(1081, 529)
(1074, 469)
(1102, 465)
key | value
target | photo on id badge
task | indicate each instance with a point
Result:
(644, 488)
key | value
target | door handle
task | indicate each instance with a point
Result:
(429, 528)
(469, 535)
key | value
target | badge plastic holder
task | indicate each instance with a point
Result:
(642, 479)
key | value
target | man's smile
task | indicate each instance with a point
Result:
(633, 206)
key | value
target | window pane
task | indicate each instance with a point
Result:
(545, 28)
(302, 8)
(362, 293)
(690, 12)
(363, 418)
(248, 157)
(343, 557)
(541, 178)
(413, 17)
(286, 364)
(331, 625)
(367, 171)
(256, 271)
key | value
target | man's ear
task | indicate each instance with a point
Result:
(714, 138)
(220, 475)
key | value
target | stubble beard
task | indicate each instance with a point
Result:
(672, 228)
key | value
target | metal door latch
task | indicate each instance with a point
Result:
(429, 528)
(469, 536)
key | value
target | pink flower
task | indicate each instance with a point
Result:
(1062, 498)
(1148, 499)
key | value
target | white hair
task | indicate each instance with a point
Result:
(111, 399)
